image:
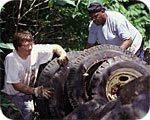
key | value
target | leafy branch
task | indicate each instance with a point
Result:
(30, 9)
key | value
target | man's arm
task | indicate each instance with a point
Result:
(40, 91)
(59, 50)
(126, 43)
(63, 60)
(89, 45)
(23, 88)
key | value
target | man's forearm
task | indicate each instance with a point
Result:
(23, 88)
(126, 43)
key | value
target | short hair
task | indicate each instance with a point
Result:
(95, 7)
(21, 37)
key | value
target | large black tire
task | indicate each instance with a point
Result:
(130, 91)
(147, 55)
(87, 63)
(113, 74)
(53, 67)
(102, 111)
(133, 108)
(137, 110)
(85, 110)
(54, 76)
(133, 102)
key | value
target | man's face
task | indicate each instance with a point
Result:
(26, 48)
(99, 18)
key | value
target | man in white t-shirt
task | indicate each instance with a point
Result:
(110, 27)
(21, 68)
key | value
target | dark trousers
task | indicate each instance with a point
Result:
(140, 52)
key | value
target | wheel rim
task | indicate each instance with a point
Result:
(119, 78)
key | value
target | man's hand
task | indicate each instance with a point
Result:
(62, 60)
(42, 91)
(89, 45)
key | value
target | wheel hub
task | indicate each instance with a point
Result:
(119, 78)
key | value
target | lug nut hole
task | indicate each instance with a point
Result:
(123, 78)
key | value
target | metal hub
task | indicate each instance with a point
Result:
(119, 78)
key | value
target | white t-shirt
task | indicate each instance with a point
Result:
(116, 29)
(25, 71)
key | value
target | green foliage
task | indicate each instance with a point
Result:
(6, 46)
(5, 103)
(139, 22)
(61, 2)
(3, 48)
